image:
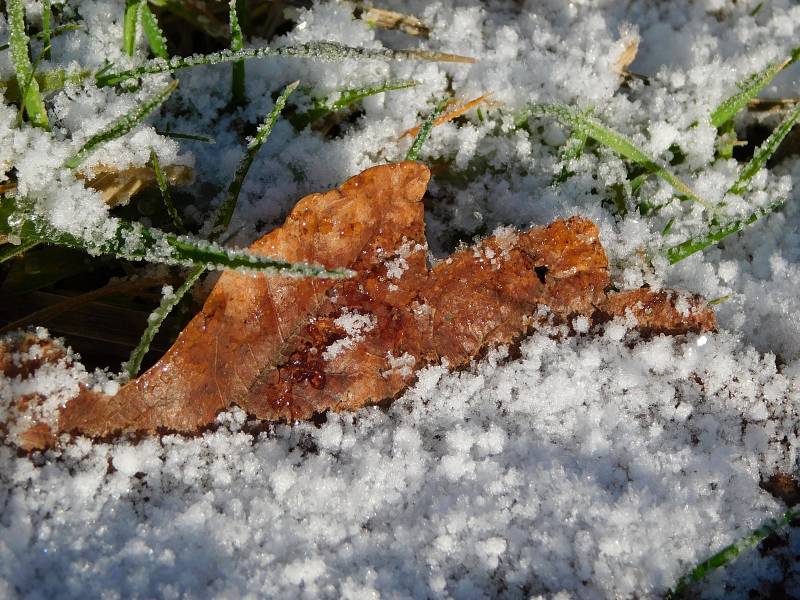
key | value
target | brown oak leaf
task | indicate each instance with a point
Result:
(286, 348)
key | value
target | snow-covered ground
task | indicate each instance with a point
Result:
(594, 466)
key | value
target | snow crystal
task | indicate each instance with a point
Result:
(402, 365)
(355, 325)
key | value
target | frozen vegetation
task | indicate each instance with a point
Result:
(599, 465)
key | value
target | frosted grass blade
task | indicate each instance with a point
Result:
(9, 251)
(187, 136)
(156, 318)
(129, 23)
(425, 131)
(226, 209)
(323, 51)
(765, 151)
(133, 241)
(749, 89)
(237, 44)
(221, 223)
(696, 244)
(121, 126)
(46, 32)
(727, 554)
(53, 33)
(31, 99)
(572, 150)
(616, 141)
(760, 158)
(155, 37)
(163, 187)
(347, 98)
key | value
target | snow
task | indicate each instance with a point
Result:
(355, 326)
(597, 465)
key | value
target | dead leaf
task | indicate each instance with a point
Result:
(283, 348)
(451, 114)
(29, 420)
(389, 19)
(629, 36)
(118, 186)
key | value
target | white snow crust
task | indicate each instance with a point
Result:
(596, 466)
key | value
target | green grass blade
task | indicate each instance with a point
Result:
(9, 251)
(156, 318)
(28, 83)
(53, 33)
(765, 151)
(727, 554)
(121, 126)
(617, 142)
(572, 151)
(187, 136)
(223, 217)
(155, 37)
(237, 44)
(749, 89)
(425, 131)
(226, 209)
(46, 31)
(323, 107)
(323, 51)
(696, 244)
(163, 186)
(133, 241)
(29, 88)
(131, 19)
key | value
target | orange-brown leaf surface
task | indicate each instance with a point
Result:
(285, 348)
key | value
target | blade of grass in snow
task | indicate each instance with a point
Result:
(425, 131)
(572, 150)
(760, 158)
(48, 81)
(749, 89)
(55, 32)
(168, 302)
(121, 126)
(155, 37)
(221, 222)
(28, 82)
(323, 107)
(765, 151)
(187, 136)
(727, 554)
(163, 186)
(46, 15)
(696, 244)
(323, 51)
(226, 209)
(9, 251)
(617, 142)
(133, 241)
(29, 88)
(129, 23)
(237, 43)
